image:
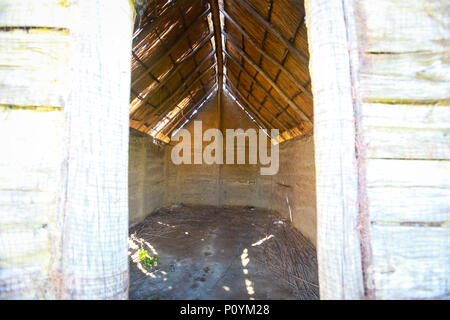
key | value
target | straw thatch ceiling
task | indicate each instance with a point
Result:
(262, 61)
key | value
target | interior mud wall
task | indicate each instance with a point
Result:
(293, 193)
(194, 183)
(240, 184)
(220, 185)
(146, 176)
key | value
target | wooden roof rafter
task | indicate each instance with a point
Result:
(269, 26)
(260, 86)
(137, 95)
(261, 107)
(279, 65)
(302, 88)
(167, 130)
(210, 82)
(175, 98)
(248, 109)
(274, 85)
(179, 40)
(266, 32)
(148, 26)
(194, 75)
(244, 101)
(261, 44)
(174, 70)
(183, 57)
(187, 92)
(172, 61)
(144, 101)
(152, 24)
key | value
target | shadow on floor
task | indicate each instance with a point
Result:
(220, 253)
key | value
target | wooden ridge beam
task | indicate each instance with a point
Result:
(265, 54)
(180, 39)
(271, 82)
(292, 49)
(259, 86)
(260, 105)
(218, 39)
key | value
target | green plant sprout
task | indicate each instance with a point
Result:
(146, 260)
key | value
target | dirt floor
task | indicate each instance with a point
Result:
(220, 253)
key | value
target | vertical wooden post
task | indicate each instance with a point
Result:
(94, 218)
(339, 252)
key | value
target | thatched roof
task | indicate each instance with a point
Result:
(263, 52)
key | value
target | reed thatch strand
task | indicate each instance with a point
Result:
(211, 79)
(269, 26)
(249, 107)
(259, 86)
(191, 109)
(175, 95)
(260, 105)
(165, 115)
(270, 80)
(169, 102)
(178, 67)
(265, 54)
(151, 25)
(180, 39)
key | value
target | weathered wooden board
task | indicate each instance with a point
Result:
(411, 262)
(33, 70)
(408, 173)
(32, 13)
(433, 117)
(409, 143)
(33, 55)
(28, 241)
(403, 118)
(406, 76)
(30, 166)
(422, 204)
(406, 131)
(425, 65)
(403, 26)
(394, 88)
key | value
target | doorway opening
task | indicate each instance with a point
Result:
(221, 230)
